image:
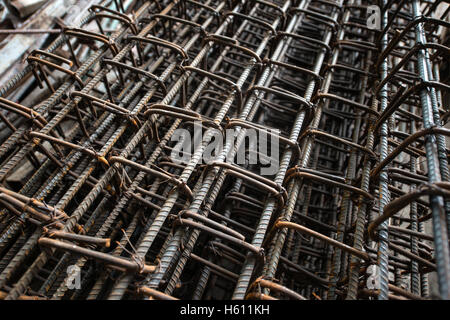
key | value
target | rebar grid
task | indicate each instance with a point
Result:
(358, 206)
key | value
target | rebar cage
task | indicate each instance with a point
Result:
(94, 205)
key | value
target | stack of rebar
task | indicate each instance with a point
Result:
(98, 201)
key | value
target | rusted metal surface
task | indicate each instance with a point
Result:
(356, 207)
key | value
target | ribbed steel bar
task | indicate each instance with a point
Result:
(235, 149)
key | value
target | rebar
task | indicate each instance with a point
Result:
(230, 149)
